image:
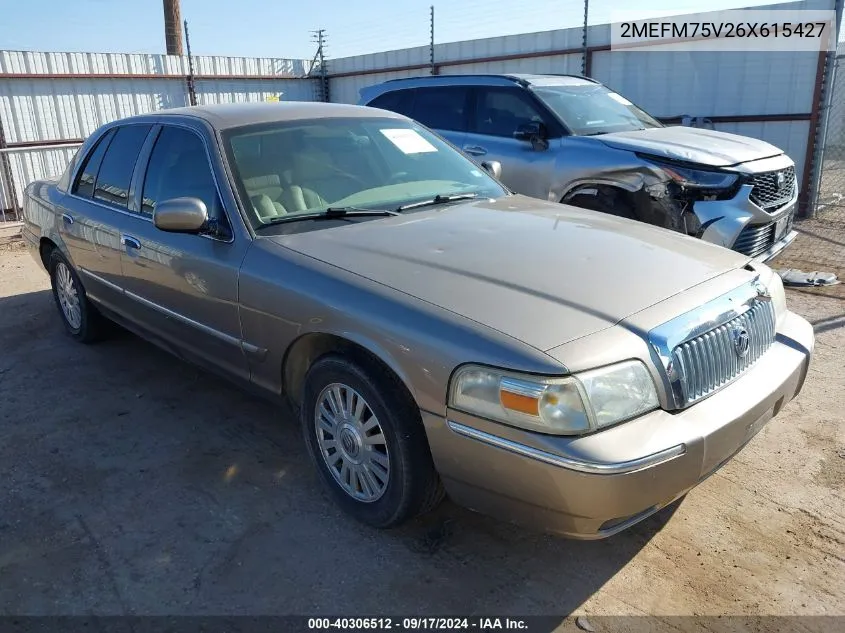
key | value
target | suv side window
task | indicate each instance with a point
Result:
(119, 163)
(179, 168)
(442, 107)
(84, 185)
(499, 111)
(399, 101)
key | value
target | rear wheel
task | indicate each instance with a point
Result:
(367, 442)
(80, 318)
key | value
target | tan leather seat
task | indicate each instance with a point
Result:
(296, 198)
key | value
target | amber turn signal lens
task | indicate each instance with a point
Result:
(518, 402)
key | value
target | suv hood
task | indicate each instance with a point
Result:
(540, 272)
(694, 145)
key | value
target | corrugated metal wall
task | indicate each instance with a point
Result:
(49, 97)
(52, 96)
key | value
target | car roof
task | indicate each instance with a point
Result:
(228, 115)
(480, 79)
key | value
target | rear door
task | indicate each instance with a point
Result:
(96, 201)
(184, 287)
(497, 114)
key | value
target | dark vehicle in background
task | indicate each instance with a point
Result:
(571, 139)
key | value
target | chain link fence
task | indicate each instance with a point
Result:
(831, 191)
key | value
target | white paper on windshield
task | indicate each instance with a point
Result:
(408, 141)
(619, 98)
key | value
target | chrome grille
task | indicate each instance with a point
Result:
(710, 361)
(767, 194)
(758, 238)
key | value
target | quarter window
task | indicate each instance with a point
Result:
(179, 168)
(118, 164)
(84, 186)
(441, 108)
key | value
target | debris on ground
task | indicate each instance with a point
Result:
(795, 277)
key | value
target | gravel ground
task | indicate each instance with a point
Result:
(136, 484)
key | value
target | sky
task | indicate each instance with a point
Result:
(279, 28)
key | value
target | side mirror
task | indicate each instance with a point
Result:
(493, 167)
(533, 132)
(181, 215)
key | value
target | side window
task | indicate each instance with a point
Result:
(441, 108)
(179, 168)
(399, 101)
(84, 185)
(500, 111)
(119, 163)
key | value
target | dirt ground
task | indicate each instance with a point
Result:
(136, 484)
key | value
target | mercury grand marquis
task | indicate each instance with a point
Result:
(550, 365)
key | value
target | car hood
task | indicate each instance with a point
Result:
(542, 273)
(695, 145)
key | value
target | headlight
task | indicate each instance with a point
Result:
(561, 406)
(695, 178)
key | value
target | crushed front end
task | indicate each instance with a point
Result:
(748, 208)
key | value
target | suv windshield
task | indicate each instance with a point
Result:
(302, 168)
(588, 109)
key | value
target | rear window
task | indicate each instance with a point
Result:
(399, 101)
(84, 186)
(442, 108)
(118, 164)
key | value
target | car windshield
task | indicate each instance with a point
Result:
(588, 109)
(291, 169)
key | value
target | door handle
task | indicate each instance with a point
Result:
(130, 242)
(67, 218)
(475, 150)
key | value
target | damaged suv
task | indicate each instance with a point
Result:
(571, 139)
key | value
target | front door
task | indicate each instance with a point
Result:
(184, 286)
(498, 113)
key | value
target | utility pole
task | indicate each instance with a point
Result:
(433, 68)
(172, 27)
(320, 36)
(192, 93)
(584, 51)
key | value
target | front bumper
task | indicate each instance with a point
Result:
(741, 225)
(597, 485)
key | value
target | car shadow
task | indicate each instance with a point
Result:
(141, 484)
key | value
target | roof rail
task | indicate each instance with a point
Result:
(514, 78)
(497, 75)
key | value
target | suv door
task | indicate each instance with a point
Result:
(498, 112)
(92, 208)
(443, 109)
(184, 286)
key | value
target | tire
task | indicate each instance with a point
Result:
(80, 318)
(605, 200)
(394, 478)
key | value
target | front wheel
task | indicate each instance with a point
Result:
(603, 199)
(368, 443)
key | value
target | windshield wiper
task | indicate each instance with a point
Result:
(333, 212)
(330, 214)
(438, 199)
